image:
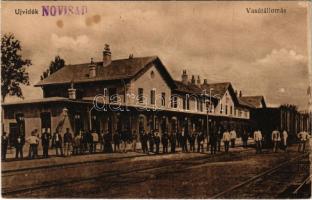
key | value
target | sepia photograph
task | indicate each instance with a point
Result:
(156, 99)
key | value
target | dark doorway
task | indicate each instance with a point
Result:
(13, 129)
(45, 121)
(78, 123)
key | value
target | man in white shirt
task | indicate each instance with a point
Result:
(258, 140)
(33, 141)
(233, 138)
(226, 140)
(276, 138)
(303, 136)
(95, 140)
(284, 140)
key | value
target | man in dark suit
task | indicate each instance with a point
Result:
(144, 142)
(57, 141)
(213, 142)
(151, 141)
(219, 137)
(45, 141)
(4, 146)
(192, 139)
(108, 142)
(184, 136)
(173, 140)
(200, 141)
(19, 144)
(164, 140)
(157, 141)
(116, 138)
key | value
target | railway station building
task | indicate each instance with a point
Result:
(136, 93)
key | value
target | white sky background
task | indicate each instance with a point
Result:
(261, 54)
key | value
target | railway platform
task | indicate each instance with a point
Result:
(179, 175)
(54, 161)
(25, 163)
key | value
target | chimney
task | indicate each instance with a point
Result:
(193, 79)
(240, 93)
(72, 91)
(198, 81)
(130, 56)
(235, 92)
(184, 77)
(92, 69)
(205, 82)
(107, 56)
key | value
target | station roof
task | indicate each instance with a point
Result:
(116, 70)
(187, 88)
(256, 101)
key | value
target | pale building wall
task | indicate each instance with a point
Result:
(149, 82)
(226, 100)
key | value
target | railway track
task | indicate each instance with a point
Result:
(304, 189)
(173, 165)
(15, 191)
(64, 165)
(271, 177)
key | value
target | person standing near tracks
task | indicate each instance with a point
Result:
(245, 136)
(226, 140)
(33, 141)
(219, 138)
(4, 145)
(77, 144)
(200, 141)
(45, 142)
(192, 141)
(68, 141)
(144, 142)
(124, 140)
(276, 138)
(95, 140)
(179, 138)
(164, 141)
(157, 142)
(173, 140)
(284, 140)
(233, 137)
(108, 142)
(303, 136)
(101, 140)
(89, 141)
(213, 142)
(134, 140)
(258, 140)
(116, 138)
(84, 141)
(57, 142)
(151, 141)
(184, 140)
(19, 144)
(141, 138)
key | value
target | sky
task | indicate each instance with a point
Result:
(260, 54)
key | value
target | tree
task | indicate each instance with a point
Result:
(13, 67)
(55, 65)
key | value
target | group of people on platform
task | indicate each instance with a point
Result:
(280, 140)
(120, 141)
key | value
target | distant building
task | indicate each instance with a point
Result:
(256, 101)
(285, 117)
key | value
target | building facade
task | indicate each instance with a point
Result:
(132, 94)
